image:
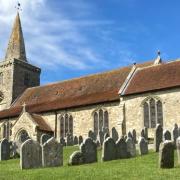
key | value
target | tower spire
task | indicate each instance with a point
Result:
(16, 46)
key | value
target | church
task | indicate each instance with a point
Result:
(132, 97)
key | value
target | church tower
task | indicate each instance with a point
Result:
(16, 74)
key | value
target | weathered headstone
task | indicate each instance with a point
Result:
(175, 133)
(166, 135)
(115, 135)
(146, 133)
(109, 150)
(52, 153)
(143, 146)
(106, 135)
(44, 138)
(62, 141)
(4, 150)
(30, 155)
(121, 148)
(76, 158)
(101, 137)
(69, 140)
(143, 133)
(134, 136)
(166, 154)
(131, 147)
(92, 135)
(158, 137)
(89, 151)
(130, 135)
(178, 148)
(75, 140)
(80, 139)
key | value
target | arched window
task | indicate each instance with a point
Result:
(101, 120)
(66, 125)
(153, 113)
(23, 136)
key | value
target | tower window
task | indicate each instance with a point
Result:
(26, 79)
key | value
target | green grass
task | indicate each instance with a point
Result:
(140, 167)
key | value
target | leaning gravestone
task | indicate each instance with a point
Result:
(52, 153)
(115, 135)
(80, 139)
(76, 158)
(143, 146)
(44, 138)
(158, 137)
(89, 151)
(178, 148)
(175, 133)
(166, 135)
(134, 136)
(121, 148)
(4, 150)
(166, 154)
(30, 155)
(69, 140)
(131, 147)
(109, 150)
(75, 140)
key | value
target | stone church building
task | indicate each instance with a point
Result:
(132, 97)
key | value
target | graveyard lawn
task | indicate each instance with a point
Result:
(140, 167)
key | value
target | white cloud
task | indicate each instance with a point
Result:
(52, 38)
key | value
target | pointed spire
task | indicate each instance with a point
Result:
(16, 46)
(158, 60)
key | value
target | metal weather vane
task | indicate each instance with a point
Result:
(18, 6)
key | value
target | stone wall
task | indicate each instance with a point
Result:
(133, 114)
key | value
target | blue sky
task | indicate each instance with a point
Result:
(72, 38)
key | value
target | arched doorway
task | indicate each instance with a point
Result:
(22, 136)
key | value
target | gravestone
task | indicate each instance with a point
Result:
(106, 135)
(175, 133)
(52, 153)
(146, 133)
(75, 140)
(143, 133)
(4, 150)
(134, 136)
(158, 137)
(89, 151)
(178, 148)
(130, 135)
(62, 141)
(76, 158)
(69, 140)
(166, 135)
(92, 135)
(80, 139)
(166, 154)
(121, 148)
(131, 148)
(109, 150)
(30, 155)
(143, 146)
(13, 149)
(101, 137)
(44, 138)
(115, 135)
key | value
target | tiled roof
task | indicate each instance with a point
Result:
(42, 125)
(92, 89)
(153, 78)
